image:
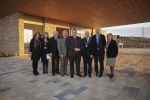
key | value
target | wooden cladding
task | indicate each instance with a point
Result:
(89, 13)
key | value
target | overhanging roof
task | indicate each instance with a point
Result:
(89, 13)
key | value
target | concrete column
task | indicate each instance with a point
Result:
(49, 27)
(21, 34)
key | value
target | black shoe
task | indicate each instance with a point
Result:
(90, 76)
(71, 76)
(46, 71)
(109, 75)
(96, 74)
(80, 75)
(112, 76)
(53, 73)
(58, 72)
(43, 71)
(36, 74)
(85, 75)
(100, 75)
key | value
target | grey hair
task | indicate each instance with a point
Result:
(64, 31)
(97, 28)
(87, 32)
(55, 32)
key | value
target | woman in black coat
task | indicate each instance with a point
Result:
(112, 52)
(35, 51)
(45, 52)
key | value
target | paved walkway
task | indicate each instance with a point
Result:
(131, 81)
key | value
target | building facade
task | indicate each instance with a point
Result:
(12, 31)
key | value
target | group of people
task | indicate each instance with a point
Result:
(72, 48)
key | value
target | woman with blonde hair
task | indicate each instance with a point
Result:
(111, 53)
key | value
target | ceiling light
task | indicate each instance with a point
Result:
(119, 3)
(130, 11)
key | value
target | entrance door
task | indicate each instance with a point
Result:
(28, 34)
(29, 31)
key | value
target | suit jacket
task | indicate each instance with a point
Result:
(43, 44)
(101, 44)
(53, 46)
(71, 46)
(87, 51)
(112, 50)
(61, 45)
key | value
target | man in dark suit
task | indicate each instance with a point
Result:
(74, 45)
(54, 53)
(99, 43)
(87, 53)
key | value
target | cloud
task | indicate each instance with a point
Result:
(130, 30)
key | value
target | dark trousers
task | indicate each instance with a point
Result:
(99, 57)
(35, 66)
(55, 64)
(77, 60)
(45, 66)
(87, 61)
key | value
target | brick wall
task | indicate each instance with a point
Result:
(11, 39)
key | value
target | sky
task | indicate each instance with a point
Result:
(130, 30)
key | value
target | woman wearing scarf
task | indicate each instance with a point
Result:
(35, 51)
